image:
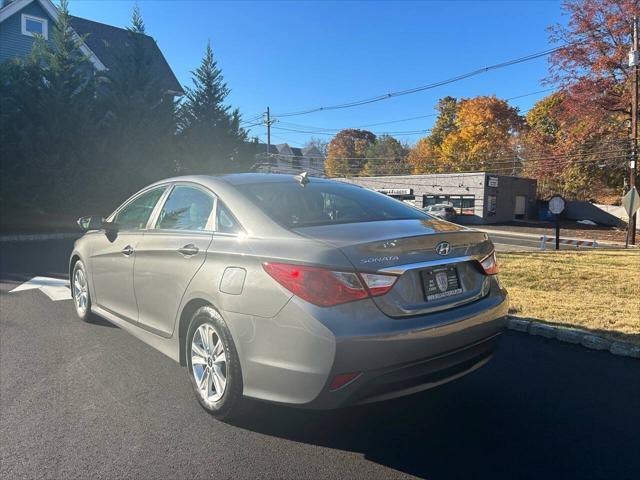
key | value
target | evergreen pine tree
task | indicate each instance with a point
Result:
(209, 130)
(139, 116)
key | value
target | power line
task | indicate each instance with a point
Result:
(429, 86)
(418, 117)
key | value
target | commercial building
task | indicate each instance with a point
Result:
(479, 198)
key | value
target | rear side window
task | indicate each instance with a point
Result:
(225, 221)
(136, 213)
(325, 203)
(186, 208)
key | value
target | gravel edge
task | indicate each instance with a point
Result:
(573, 335)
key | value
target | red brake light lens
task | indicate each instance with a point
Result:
(490, 264)
(327, 288)
(319, 286)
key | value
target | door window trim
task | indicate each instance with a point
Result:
(152, 225)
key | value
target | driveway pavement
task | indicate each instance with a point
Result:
(84, 400)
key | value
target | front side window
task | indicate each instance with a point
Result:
(135, 214)
(186, 208)
(325, 203)
(34, 26)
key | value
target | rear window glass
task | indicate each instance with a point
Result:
(324, 203)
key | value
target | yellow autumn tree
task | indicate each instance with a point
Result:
(346, 153)
(426, 156)
(484, 137)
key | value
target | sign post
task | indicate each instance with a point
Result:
(556, 206)
(631, 203)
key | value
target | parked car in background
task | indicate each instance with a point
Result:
(299, 291)
(444, 211)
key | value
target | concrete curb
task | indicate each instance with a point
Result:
(30, 237)
(536, 236)
(573, 335)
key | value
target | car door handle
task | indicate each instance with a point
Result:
(128, 250)
(189, 250)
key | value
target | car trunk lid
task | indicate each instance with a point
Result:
(409, 249)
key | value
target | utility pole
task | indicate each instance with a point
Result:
(634, 60)
(268, 123)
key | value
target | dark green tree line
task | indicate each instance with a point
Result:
(75, 141)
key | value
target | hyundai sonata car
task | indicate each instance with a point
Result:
(290, 289)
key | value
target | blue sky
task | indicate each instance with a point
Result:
(297, 55)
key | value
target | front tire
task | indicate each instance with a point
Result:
(213, 364)
(80, 291)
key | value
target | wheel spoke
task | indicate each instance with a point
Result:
(204, 338)
(195, 349)
(198, 360)
(202, 383)
(218, 348)
(219, 384)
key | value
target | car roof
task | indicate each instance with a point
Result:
(238, 179)
(245, 178)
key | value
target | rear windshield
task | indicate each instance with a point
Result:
(324, 203)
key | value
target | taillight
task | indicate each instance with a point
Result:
(490, 264)
(378, 284)
(324, 287)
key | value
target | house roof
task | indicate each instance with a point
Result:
(106, 40)
(262, 148)
(296, 151)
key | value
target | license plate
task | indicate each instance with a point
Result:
(441, 283)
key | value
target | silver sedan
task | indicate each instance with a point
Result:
(291, 289)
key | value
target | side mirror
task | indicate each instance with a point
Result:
(110, 226)
(91, 223)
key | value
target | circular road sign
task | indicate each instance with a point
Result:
(556, 205)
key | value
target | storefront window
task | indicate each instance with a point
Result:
(464, 204)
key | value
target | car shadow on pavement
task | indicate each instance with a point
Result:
(540, 409)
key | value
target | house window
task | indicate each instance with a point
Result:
(34, 26)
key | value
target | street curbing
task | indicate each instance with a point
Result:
(572, 335)
(30, 237)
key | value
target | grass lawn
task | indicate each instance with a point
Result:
(597, 290)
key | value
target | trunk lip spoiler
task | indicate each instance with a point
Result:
(401, 269)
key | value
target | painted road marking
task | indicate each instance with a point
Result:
(54, 288)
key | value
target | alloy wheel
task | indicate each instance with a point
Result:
(80, 291)
(209, 363)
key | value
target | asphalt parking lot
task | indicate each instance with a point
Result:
(84, 400)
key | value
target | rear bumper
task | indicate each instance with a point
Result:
(293, 357)
(409, 378)
(416, 354)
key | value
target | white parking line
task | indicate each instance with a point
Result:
(55, 288)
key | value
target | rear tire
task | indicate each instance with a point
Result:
(80, 294)
(213, 365)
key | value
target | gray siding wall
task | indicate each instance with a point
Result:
(506, 192)
(12, 42)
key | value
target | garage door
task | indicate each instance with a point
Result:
(521, 206)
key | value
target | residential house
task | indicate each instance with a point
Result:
(22, 20)
(283, 158)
